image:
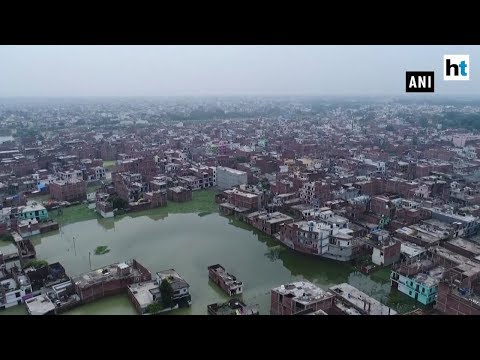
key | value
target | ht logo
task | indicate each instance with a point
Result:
(456, 67)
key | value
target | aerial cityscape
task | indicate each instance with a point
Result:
(240, 205)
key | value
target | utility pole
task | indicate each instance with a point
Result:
(90, 259)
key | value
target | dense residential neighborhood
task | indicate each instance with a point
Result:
(388, 186)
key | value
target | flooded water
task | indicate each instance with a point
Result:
(189, 242)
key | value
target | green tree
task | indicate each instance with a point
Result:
(167, 293)
(118, 203)
(154, 308)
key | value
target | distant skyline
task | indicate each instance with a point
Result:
(166, 70)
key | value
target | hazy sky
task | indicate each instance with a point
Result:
(225, 70)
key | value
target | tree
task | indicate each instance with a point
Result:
(119, 203)
(167, 293)
(154, 308)
(390, 127)
(265, 184)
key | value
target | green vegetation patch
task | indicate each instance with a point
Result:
(154, 308)
(37, 264)
(72, 214)
(109, 164)
(382, 275)
(101, 250)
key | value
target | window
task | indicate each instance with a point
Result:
(423, 290)
(410, 293)
(17, 294)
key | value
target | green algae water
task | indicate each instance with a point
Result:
(189, 237)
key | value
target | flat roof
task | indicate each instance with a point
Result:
(432, 278)
(107, 273)
(141, 292)
(358, 298)
(178, 189)
(241, 193)
(411, 249)
(303, 292)
(175, 279)
(39, 305)
(33, 207)
(466, 245)
(274, 217)
(230, 170)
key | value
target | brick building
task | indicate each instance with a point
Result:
(298, 298)
(179, 194)
(71, 190)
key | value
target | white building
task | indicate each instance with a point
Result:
(228, 178)
(13, 293)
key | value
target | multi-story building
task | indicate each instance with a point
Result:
(70, 190)
(458, 291)
(329, 237)
(301, 297)
(316, 193)
(33, 211)
(109, 280)
(103, 206)
(238, 200)
(419, 277)
(181, 289)
(470, 224)
(269, 223)
(350, 296)
(386, 250)
(14, 291)
(69, 175)
(179, 194)
(227, 282)
(228, 178)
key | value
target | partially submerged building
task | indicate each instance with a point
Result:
(232, 307)
(301, 297)
(366, 305)
(269, 223)
(68, 190)
(179, 194)
(147, 293)
(40, 305)
(224, 280)
(418, 277)
(329, 237)
(109, 280)
(181, 289)
(143, 294)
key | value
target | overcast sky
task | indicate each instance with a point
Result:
(225, 70)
